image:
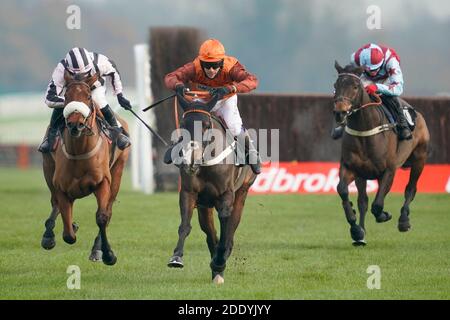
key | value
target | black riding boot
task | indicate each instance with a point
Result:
(122, 140)
(404, 133)
(49, 141)
(251, 153)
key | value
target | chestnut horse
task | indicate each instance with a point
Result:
(207, 183)
(371, 150)
(80, 166)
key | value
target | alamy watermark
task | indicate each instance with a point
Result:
(374, 280)
(374, 19)
(73, 21)
(74, 279)
(199, 146)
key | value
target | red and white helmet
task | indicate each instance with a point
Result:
(371, 57)
(78, 60)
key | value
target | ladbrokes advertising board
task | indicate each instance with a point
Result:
(323, 177)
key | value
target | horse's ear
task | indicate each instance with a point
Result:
(337, 66)
(67, 77)
(91, 80)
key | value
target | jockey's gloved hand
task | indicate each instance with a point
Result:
(222, 91)
(180, 89)
(371, 89)
(124, 102)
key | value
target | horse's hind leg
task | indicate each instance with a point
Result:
(363, 201)
(410, 192)
(48, 238)
(384, 185)
(345, 178)
(103, 217)
(206, 220)
(187, 204)
(96, 251)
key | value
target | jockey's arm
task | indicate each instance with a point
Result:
(182, 75)
(243, 80)
(55, 88)
(394, 85)
(107, 67)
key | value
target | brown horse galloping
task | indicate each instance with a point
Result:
(371, 150)
(208, 184)
(82, 165)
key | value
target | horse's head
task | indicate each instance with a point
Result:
(348, 88)
(78, 102)
(197, 106)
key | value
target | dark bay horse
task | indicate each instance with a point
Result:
(207, 185)
(82, 165)
(371, 150)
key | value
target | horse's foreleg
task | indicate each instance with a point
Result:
(224, 206)
(345, 178)
(103, 216)
(48, 238)
(363, 202)
(384, 185)
(65, 206)
(187, 204)
(206, 220)
(116, 178)
(410, 192)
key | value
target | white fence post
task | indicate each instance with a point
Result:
(141, 154)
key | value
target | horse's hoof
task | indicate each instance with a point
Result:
(175, 262)
(404, 226)
(75, 227)
(384, 217)
(357, 233)
(218, 279)
(109, 259)
(69, 239)
(359, 243)
(48, 243)
(96, 255)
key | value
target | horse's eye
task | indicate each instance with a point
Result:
(355, 87)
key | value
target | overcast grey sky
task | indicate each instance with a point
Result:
(290, 45)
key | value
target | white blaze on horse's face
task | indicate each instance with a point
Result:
(192, 153)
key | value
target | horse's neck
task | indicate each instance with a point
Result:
(366, 118)
(83, 144)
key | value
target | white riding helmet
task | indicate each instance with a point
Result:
(78, 60)
(371, 57)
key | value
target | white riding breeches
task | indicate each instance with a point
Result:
(99, 96)
(227, 109)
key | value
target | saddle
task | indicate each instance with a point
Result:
(408, 111)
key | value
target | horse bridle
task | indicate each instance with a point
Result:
(92, 115)
(352, 109)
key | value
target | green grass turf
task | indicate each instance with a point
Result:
(286, 247)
